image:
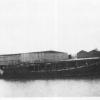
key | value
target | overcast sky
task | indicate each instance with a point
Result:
(36, 25)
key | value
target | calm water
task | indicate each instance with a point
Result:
(49, 88)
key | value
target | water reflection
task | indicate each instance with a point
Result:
(48, 88)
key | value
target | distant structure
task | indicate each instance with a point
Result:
(94, 53)
(9, 59)
(82, 54)
(45, 56)
(85, 54)
(33, 57)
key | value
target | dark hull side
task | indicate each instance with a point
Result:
(92, 71)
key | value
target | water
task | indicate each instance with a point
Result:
(51, 88)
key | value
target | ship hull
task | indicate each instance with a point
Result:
(91, 71)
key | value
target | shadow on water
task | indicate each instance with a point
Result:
(85, 78)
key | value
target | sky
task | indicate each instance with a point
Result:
(37, 25)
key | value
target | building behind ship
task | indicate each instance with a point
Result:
(33, 57)
(85, 54)
(46, 56)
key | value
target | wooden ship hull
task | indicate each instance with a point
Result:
(56, 70)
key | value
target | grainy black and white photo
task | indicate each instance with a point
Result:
(49, 48)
